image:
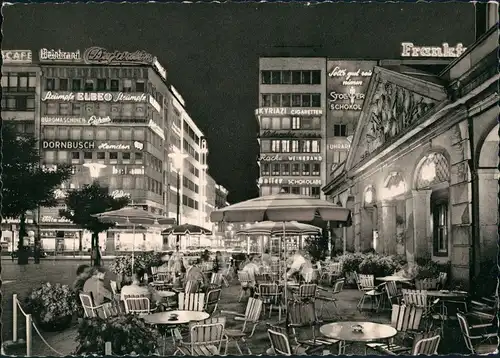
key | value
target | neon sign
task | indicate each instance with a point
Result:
(408, 49)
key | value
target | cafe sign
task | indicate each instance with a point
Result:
(101, 56)
(291, 158)
(288, 111)
(16, 56)
(408, 49)
(94, 97)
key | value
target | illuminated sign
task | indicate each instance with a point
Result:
(128, 170)
(63, 120)
(160, 69)
(352, 96)
(336, 146)
(289, 134)
(288, 111)
(94, 97)
(16, 56)
(95, 120)
(295, 158)
(408, 49)
(138, 145)
(51, 219)
(154, 103)
(350, 78)
(50, 55)
(119, 146)
(282, 181)
(101, 56)
(156, 128)
(70, 145)
(119, 194)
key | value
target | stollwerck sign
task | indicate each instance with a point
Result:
(94, 97)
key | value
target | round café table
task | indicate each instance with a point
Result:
(445, 294)
(394, 278)
(165, 294)
(344, 332)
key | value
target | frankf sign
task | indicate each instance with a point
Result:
(408, 49)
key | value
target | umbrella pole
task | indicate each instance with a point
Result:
(285, 277)
(133, 248)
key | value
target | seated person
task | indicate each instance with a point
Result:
(253, 269)
(95, 286)
(138, 288)
(82, 275)
(194, 273)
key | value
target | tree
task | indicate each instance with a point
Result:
(26, 185)
(317, 246)
(90, 200)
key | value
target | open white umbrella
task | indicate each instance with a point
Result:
(282, 207)
(134, 216)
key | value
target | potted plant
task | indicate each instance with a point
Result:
(52, 306)
(128, 334)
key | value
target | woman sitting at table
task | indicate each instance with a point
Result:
(138, 288)
(194, 273)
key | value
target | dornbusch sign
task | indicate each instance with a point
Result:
(94, 97)
(288, 111)
(408, 49)
(16, 56)
(50, 55)
(101, 56)
(68, 145)
(292, 158)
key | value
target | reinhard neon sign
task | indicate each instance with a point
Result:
(408, 49)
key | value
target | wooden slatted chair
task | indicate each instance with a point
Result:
(369, 290)
(477, 343)
(245, 283)
(154, 272)
(426, 284)
(326, 299)
(276, 270)
(392, 294)
(89, 309)
(307, 292)
(426, 346)
(212, 301)
(216, 280)
(271, 295)
(137, 304)
(191, 301)
(332, 271)
(250, 321)
(162, 276)
(303, 315)
(280, 345)
(114, 287)
(205, 340)
(406, 319)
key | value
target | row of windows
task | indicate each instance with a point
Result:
(101, 133)
(129, 158)
(176, 118)
(187, 183)
(175, 140)
(190, 132)
(340, 130)
(191, 168)
(113, 110)
(311, 123)
(293, 169)
(290, 146)
(19, 82)
(313, 191)
(186, 200)
(21, 103)
(312, 77)
(188, 148)
(291, 100)
(339, 156)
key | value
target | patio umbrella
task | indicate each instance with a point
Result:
(186, 229)
(134, 216)
(282, 207)
(273, 228)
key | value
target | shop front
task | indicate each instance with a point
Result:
(421, 166)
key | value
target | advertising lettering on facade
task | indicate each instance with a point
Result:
(119, 194)
(68, 144)
(154, 103)
(113, 146)
(52, 55)
(156, 128)
(339, 143)
(17, 56)
(94, 97)
(160, 69)
(128, 170)
(288, 111)
(101, 56)
(289, 134)
(293, 158)
(57, 220)
(408, 49)
(58, 120)
(283, 181)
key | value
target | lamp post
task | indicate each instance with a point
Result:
(177, 163)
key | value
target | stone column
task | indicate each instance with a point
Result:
(409, 233)
(366, 229)
(488, 214)
(387, 230)
(422, 235)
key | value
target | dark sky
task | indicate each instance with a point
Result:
(211, 52)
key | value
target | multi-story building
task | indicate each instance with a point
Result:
(291, 114)
(221, 196)
(111, 116)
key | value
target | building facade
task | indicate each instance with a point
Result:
(115, 119)
(292, 122)
(423, 165)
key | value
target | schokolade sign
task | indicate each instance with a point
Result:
(101, 56)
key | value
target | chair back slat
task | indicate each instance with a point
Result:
(192, 286)
(207, 334)
(391, 289)
(162, 276)
(137, 304)
(464, 327)
(154, 270)
(244, 278)
(253, 310)
(212, 301)
(338, 286)
(279, 343)
(415, 297)
(426, 346)
(366, 281)
(301, 314)
(406, 317)
(191, 301)
(269, 292)
(87, 305)
(426, 284)
(114, 287)
(216, 279)
(307, 290)
(308, 277)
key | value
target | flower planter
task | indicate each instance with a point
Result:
(56, 325)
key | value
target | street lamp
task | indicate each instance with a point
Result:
(177, 158)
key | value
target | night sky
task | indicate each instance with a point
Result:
(211, 52)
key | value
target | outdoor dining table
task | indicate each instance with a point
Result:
(165, 294)
(344, 332)
(394, 278)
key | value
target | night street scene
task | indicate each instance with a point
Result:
(211, 179)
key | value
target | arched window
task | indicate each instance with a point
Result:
(394, 186)
(433, 170)
(369, 197)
